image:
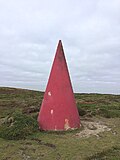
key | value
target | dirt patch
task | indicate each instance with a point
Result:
(43, 143)
(91, 127)
(31, 109)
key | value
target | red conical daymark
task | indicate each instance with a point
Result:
(58, 110)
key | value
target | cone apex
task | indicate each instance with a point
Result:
(60, 41)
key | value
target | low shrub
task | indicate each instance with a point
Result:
(21, 125)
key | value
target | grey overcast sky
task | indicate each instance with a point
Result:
(89, 30)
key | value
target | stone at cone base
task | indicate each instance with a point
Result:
(58, 110)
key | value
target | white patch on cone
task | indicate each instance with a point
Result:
(49, 93)
(51, 111)
(55, 128)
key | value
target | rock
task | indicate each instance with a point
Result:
(10, 120)
(91, 126)
(6, 120)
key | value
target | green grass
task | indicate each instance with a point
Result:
(98, 104)
(112, 153)
(20, 138)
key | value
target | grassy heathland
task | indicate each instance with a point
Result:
(20, 138)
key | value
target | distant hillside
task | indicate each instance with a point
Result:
(29, 101)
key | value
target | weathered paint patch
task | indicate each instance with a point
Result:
(51, 111)
(49, 93)
(66, 125)
(55, 128)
